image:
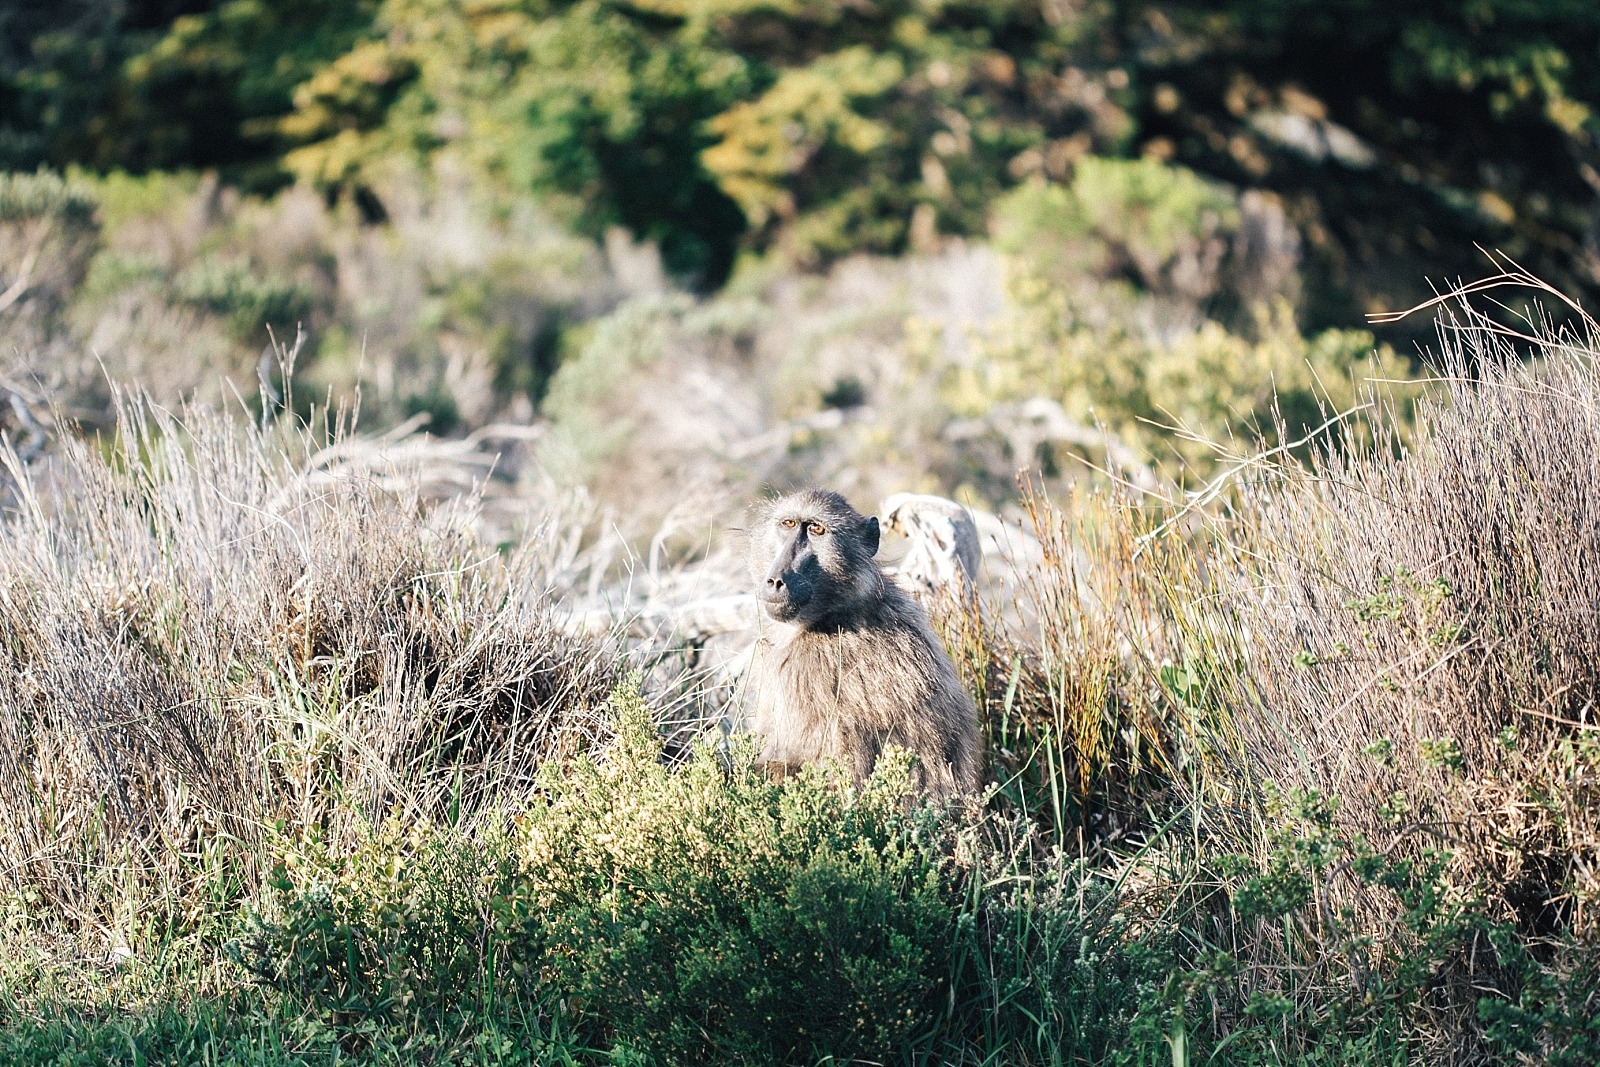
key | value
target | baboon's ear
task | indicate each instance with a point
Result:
(869, 536)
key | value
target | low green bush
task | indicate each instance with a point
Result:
(631, 912)
(1554, 1016)
(246, 298)
(1137, 308)
(709, 914)
(1165, 227)
(652, 914)
(25, 197)
(49, 232)
(692, 916)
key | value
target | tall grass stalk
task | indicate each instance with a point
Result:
(208, 630)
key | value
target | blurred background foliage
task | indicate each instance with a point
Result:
(1393, 135)
(1192, 206)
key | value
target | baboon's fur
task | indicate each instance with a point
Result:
(851, 663)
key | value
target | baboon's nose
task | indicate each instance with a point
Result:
(774, 584)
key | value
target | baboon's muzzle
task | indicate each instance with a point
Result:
(792, 581)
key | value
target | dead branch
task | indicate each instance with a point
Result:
(30, 259)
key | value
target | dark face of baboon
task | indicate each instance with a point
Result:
(812, 559)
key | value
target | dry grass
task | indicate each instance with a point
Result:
(1407, 625)
(203, 636)
(1406, 629)
(218, 639)
(1421, 626)
(1083, 731)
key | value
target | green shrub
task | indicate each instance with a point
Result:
(1165, 226)
(721, 918)
(688, 916)
(708, 914)
(1181, 396)
(49, 231)
(112, 273)
(157, 194)
(1553, 1018)
(247, 298)
(1139, 305)
(45, 194)
(397, 926)
(591, 423)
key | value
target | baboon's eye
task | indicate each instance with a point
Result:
(817, 529)
(788, 524)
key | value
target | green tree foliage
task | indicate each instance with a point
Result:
(1400, 133)
(165, 83)
(596, 103)
(824, 127)
(1397, 136)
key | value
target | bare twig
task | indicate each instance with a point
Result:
(1511, 274)
(1213, 489)
(30, 259)
(271, 400)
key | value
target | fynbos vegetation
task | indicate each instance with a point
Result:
(303, 771)
(391, 392)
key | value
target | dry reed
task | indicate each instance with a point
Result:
(204, 637)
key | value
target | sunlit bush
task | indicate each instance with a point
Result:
(1112, 279)
(49, 231)
(700, 913)
(679, 915)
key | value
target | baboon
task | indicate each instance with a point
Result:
(853, 664)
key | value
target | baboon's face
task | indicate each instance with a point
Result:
(816, 549)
